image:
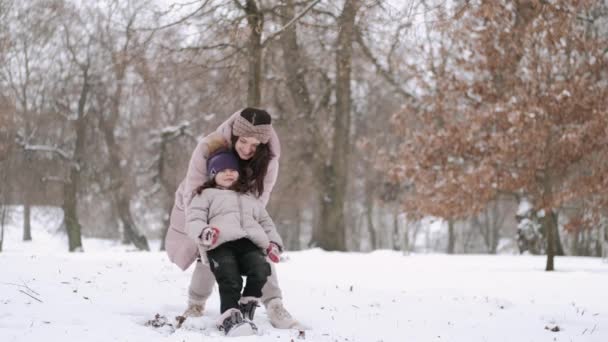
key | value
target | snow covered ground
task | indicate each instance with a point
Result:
(109, 293)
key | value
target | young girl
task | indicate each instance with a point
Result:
(235, 233)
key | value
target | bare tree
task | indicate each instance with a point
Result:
(121, 48)
(76, 111)
(525, 122)
(6, 145)
(6, 121)
(28, 53)
(336, 172)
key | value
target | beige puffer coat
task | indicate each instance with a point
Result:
(235, 215)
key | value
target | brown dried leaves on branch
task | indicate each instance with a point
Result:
(517, 104)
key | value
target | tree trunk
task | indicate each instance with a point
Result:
(451, 237)
(336, 173)
(332, 213)
(130, 229)
(317, 232)
(70, 214)
(574, 245)
(70, 188)
(551, 230)
(164, 233)
(125, 236)
(4, 170)
(586, 241)
(295, 234)
(369, 213)
(294, 66)
(2, 217)
(255, 21)
(484, 228)
(559, 247)
(70, 217)
(604, 241)
(403, 226)
(495, 221)
(119, 194)
(599, 240)
(166, 222)
(549, 220)
(295, 71)
(495, 239)
(399, 239)
(27, 217)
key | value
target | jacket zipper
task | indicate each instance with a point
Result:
(238, 198)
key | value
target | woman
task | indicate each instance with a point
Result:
(249, 133)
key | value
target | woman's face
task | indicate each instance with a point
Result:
(226, 178)
(246, 147)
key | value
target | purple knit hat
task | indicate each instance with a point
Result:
(221, 161)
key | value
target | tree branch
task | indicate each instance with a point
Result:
(177, 22)
(44, 148)
(290, 23)
(239, 5)
(54, 179)
(387, 76)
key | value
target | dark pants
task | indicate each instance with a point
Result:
(231, 260)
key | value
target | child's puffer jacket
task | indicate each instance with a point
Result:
(235, 215)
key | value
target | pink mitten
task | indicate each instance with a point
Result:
(209, 236)
(274, 252)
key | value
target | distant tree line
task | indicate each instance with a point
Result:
(464, 111)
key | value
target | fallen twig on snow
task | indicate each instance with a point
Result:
(30, 295)
(24, 285)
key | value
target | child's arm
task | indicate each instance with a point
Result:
(197, 216)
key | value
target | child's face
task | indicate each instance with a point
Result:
(226, 178)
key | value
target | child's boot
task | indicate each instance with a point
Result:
(233, 324)
(247, 305)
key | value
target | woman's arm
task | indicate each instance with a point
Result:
(273, 168)
(271, 231)
(270, 180)
(197, 168)
(197, 171)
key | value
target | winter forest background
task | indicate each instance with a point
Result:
(449, 126)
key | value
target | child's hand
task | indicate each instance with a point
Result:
(274, 252)
(209, 236)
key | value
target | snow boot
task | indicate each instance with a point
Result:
(247, 305)
(233, 324)
(194, 309)
(279, 316)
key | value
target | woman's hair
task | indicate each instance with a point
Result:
(256, 116)
(239, 185)
(254, 170)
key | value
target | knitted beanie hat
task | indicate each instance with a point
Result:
(253, 123)
(221, 161)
